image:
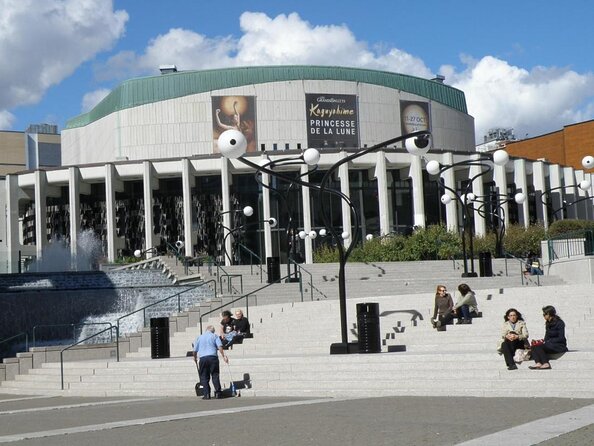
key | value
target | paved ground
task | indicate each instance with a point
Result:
(290, 421)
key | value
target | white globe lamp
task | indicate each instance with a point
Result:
(232, 144)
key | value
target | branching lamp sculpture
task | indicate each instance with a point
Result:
(232, 144)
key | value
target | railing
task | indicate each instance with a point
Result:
(35, 327)
(311, 284)
(16, 336)
(75, 344)
(522, 263)
(571, 244)
(245, 296)
(252, 254)
(226, 274)
(230, 286)
(143, 309)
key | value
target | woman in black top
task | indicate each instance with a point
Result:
(554, 340)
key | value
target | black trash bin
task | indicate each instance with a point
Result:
(485, 264)
(369, 328)
(273, 269)
(160, 337)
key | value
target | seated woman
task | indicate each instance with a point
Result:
(466, 305)
(442, 312)
(514, 335)
(554, 340)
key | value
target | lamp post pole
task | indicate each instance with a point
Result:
(585, 185)
(466, 197)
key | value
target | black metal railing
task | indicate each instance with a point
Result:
(522, 266)
(143, 309)
(239, 298)
(110, 328)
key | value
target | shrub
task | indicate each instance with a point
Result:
(520, 241)
(560, 227)
(436, 243)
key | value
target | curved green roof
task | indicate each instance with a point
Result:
(145, 90)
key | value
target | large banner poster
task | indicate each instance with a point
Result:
(235, 112)
(332, 120)
(414, 116)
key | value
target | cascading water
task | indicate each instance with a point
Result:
(57, 256)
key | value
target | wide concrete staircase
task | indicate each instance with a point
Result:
(289, 354)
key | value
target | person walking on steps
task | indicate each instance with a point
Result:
(206, 347)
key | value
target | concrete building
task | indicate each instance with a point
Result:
(142, 169)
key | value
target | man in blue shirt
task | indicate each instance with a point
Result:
(206, 347)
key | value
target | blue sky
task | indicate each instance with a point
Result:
(522, 64)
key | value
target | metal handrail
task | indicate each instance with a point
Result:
(225, 273)
(144, 313)
(252, 254)
(23, 333)
(229, 282)
(522, 262)
(69, 325)
(77, 343)
(301, 271)
(245, 296)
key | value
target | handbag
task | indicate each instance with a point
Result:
(521, 355)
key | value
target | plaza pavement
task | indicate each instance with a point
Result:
(292, 421)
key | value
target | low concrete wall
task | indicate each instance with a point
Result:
(573, 270)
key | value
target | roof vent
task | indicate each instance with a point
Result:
(438, 78)
(166, 69)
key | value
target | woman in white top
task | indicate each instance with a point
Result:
(514, 335)
(466, 305)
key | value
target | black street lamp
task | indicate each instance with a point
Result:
(498, 213)
(584, 185)
(232, 144)
(466, 197)
(247, 211)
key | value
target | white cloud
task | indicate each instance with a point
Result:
(93, 98)
(282, 40)
(43, 42)
(532, 102)
(6, 120)
(498, 94)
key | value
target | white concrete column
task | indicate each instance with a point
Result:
(12, 222)
(188, 181)
(538, 179)
(343, 175)
(556, 196)
(266, 215)
(225, 184)
(381, 176)
(40, 212)
(305, 195)
(480, 227)
(74, 205)
(449, 180)
(149, 184)
(416, 174)
(112, 185)
(569, 191)
(522, 184)
(500, 178)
